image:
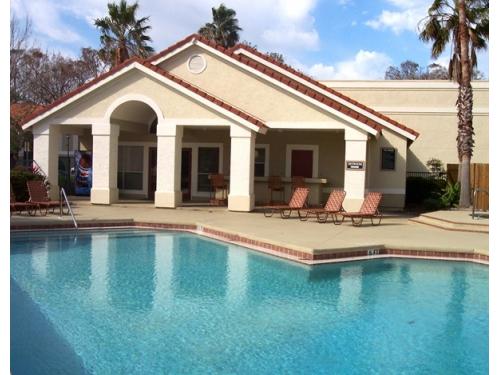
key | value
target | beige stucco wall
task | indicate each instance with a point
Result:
(172, 103)
(243, 89)
(429, 108)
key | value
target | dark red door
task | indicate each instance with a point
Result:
(302, 163)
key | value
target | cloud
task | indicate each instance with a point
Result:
(283, 26)
(405, 18)
(364, 65)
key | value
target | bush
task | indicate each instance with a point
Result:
(451, 195)
(419, 189)
(18, 178)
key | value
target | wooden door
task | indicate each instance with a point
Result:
(302, 163)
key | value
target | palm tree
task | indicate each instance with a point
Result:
(122, 35)
(465, 25)
(224, 29)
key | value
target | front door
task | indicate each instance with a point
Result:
(152, 173)
(208, 163)
(186, 174)
(302, 163)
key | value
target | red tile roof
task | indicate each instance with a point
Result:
(20, 111)
(244, 115)
(296, 85)
(324, 87)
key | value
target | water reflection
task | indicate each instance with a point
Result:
(199, 268)
(164, 246)
(131, 271)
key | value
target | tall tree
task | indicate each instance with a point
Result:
(224, 29)
(122, 34)
(465, 25)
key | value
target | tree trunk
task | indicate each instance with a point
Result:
(465, 142)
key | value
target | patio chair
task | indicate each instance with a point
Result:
(297, 202)
(275, 184)
(39, 197)
(218, 191)
(333, 206)
(19, 207)
(368, 210)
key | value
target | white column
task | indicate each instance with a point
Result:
(241, 189)
(104, 163)
(355, 179)
(100, 246)
(168, 168)
(164, 251)
(46, 145)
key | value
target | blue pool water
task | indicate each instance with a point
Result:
(146, 302)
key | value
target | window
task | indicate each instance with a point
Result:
(302, 163)
(388, 159)
(196, 64)
(130, 167)
(208, 163)
(260, 161)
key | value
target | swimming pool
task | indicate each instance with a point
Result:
(151, 302)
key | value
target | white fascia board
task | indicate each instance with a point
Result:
(142, 68)
(78, 96)
(275, 82)
(319, 125)
(174, 52)
(200, 99)
(326, 93)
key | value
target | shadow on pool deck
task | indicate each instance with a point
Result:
(35, 345)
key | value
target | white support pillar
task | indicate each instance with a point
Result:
(355, 173)
(104, 163)
(241, 179)
(46, 145)
(168, 167)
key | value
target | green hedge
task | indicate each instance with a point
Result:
(424, 193)
(18, 178)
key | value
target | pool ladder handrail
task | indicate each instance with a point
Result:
(62, 194)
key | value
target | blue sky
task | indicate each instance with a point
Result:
(329, 39)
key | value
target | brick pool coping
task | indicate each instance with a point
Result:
(304, 257)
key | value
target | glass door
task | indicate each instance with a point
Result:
(208, 163)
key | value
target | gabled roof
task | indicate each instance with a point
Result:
(322, 86)
(93, 84)
(21, 111)
(314, 90)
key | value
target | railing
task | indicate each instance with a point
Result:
(435, 175)
(475, 193)
(70, 211)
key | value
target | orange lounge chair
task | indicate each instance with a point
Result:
(297, 202)
(19, 207)
(333, 206)
(39, 197)
(368, 210)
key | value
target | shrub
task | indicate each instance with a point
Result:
(419, 189)
(18, 178)
(450, 195)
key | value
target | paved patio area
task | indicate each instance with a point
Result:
(395, 232)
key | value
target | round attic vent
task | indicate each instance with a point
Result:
(196, 64)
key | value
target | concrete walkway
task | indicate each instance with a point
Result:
(394, 232)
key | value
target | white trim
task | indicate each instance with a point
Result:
(199, 71)
(400, 84)
(266, 147)
(145, 170)
(277, 83)
(429, 110)
(159, 77)
(307, 125)
(135, 98)
(288, 163)
(194, 146)
(327, 93)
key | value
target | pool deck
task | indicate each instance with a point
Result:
(307, 242)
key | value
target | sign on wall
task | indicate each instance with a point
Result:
(355, 165)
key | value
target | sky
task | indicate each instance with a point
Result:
(328, 39)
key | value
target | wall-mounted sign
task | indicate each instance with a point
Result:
(355, 165)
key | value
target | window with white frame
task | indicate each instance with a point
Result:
(261, 160)
(130, 167)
